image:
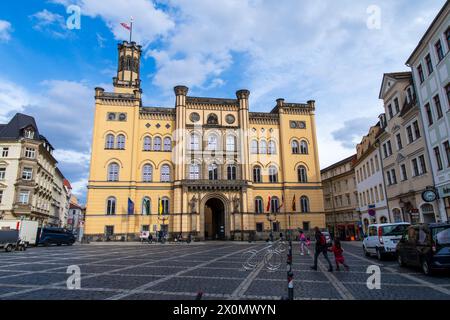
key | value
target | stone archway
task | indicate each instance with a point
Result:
(214, 217)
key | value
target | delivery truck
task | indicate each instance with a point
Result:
(27, 230)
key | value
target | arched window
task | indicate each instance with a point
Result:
(194, 171)
(212, 171)
(272, 147)
(212, 142)
(147, 143)
(165, 205)
(111, 206)
(294, 146)
(274, 205)
(231, 172)
(303, 147)
(109, 141)
(383, 219)
(257, 174)
(397, 215)
(147, 173)
(231, 143)
(259, 206)
(146, 206)
(167, 144)
(195, 142)
(113, 172)
(302, 175)
(121, 142)
(263, 147)
(165, 173)
(212, 119)
(304, 204)
(254, 147)
(273, 174)
(157, 144)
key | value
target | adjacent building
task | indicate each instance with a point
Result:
(430, 64)
(207, 167)
(341, 200)
(29, 179)
(372, 199)
(404, 154)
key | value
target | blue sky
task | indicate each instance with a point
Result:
(298, 50)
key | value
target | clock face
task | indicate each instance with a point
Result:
(230, 119)
(429, 196)
(194, 117)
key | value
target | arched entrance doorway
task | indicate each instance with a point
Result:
(214, 219)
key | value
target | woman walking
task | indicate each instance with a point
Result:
(303, 245)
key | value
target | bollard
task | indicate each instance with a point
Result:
(290, 274)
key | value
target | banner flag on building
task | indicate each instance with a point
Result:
(130, 207)
(160, 206)
(268, 205)
(293, 204)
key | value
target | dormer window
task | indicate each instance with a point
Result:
(28, 133)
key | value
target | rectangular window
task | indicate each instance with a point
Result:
(388, 177)
(30, 153)
(385, 150)
(5, 152)
(437, 104)
(397, 105)
(1, 196)
(437, 155)
(2, 173)
(27, 174)
(447, 91)
(423, 166)
(377, 165)
(429, 64)
(381, 192)
(409, 134)
(399, 141)
(394, 176)
(259, 227)
(24, 197)
(416, 129)
(403, 172)
(306, 225)
(376, 194)
(415, 166)
(446, 145)
(389, 146)
(429, 114)
(391, 114)
(109, 230)
(447, 37)
(439, 50)
(420, 73)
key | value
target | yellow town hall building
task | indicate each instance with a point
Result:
(208, 167)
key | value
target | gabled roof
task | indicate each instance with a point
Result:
(13, 130)
(394, 76)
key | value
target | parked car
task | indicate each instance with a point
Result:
(58, 236)
(28, 229)
(10, 240)
(382, 239)
(426, 246)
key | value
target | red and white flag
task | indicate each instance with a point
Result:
(126, 26)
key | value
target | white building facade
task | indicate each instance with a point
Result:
(430, 64)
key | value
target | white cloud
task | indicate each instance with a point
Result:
(51, 23)
(72, 157)
(13, 98)
(150, 22)
(5, 30)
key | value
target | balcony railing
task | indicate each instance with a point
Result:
(205, 184)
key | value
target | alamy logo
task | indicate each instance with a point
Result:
(374, 19)
(374, 280)
(74, 20)
(74, 280)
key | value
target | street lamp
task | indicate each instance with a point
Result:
(271, 220)
(163, 217)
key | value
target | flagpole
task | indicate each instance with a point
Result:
(131, 29)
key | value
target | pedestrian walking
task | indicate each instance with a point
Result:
(338, 254)
(320, 248)
(303, 246)
(150, 237)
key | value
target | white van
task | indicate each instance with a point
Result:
(27, 229)
(382, 239)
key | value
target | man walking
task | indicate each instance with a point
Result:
(321, 247)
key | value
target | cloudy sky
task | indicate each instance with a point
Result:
(334, 52)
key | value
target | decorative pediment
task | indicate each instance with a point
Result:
(400, 157)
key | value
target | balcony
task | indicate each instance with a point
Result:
(204, 184)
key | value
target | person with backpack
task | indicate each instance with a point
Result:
(338, 254)
(321, 247)
(303, 246)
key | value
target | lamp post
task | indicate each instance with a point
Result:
(271, 220)
(163, 217)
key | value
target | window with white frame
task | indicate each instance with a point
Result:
(2, 173)
(147, 143)
(113, 172)
(231, 172)
(272, 147)
(30, 153)
(146, 206)
(254, 147)
(165, 205)
(167, 144)
(1, 196)
(194, 171)
(27, 173)
(5, 152)
(109, 144)
(195, 142)
(403, 173)
(303, 147)
(259, 208)
(157, 144)
(212, 142)
(121, 142)
(165, 173)
(302, 174)
(263, 147)
(273, 174)
(147, 173)
(111, 206)
(231, 143)
(257, 174)
(24, 197)
(212, 171)
(304, 204)
(295, 147)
